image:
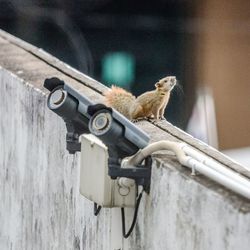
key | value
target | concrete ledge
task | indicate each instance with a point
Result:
(53, 63)
(42, 208)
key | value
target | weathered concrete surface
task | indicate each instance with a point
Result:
(41, 207)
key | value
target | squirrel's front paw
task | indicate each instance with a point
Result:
(134, 120)
(163, 118)
(155, 121)
(150, 118)
(137, 120)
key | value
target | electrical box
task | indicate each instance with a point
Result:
(95, 183)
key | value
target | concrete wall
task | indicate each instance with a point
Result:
(41, 207)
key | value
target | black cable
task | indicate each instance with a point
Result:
(126, 235)
(96, 209)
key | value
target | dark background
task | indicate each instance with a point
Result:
(81, 33)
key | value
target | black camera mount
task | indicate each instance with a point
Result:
(82, 116)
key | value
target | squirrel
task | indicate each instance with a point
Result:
(151, 104)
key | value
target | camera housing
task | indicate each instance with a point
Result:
(83, 116)
(63, 100)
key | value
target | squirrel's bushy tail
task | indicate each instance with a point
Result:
(119, 99)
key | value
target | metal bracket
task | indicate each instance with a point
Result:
(141, 173)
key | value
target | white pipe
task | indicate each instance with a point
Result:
(219, 177)
(197, 161)
(153, 147)
(215, 165)
(126, 182)
(116, 236)
(137, 158)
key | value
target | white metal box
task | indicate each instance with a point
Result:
(95, 183)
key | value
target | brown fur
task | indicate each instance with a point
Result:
(151, 103)
(120, 99)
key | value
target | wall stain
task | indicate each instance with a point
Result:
(76, 244)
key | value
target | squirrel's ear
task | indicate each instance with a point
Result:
(158, 85)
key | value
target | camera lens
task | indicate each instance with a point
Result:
(56, 98)
(101, 123)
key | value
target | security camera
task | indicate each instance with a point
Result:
(83, 116)
(103, 179)
(114, 129)
(65, 102)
